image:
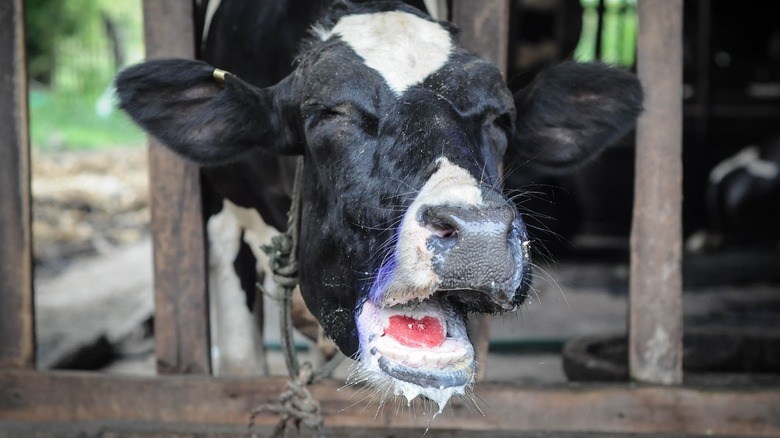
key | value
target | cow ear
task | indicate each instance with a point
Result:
(209, 120)
(571, 112)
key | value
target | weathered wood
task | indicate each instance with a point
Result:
(36, 397)
(134, 430)
(17, 332)
(181, 302)
(484, 30)
(655, 316)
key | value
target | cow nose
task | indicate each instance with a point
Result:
(476, 248)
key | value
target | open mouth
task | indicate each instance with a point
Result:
(422, 345)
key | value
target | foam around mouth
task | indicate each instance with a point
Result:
(420, 348)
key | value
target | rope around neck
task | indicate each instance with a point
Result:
(296, 403)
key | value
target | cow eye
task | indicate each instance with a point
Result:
(329, 112)
(498, 130)
(505, 122)
(346, 112)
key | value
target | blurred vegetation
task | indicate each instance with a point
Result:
(618, 40)
(76, 47)
(74, 50)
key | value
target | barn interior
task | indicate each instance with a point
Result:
(582, 222)
(731, 103)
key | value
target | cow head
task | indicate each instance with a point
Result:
(405, 229)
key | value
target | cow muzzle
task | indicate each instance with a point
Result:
(480, 253)
(461, 248)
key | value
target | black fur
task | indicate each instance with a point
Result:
(368, 151)
(572, 111)
(179, 102)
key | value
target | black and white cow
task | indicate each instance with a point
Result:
(743, 196)
(405, 228)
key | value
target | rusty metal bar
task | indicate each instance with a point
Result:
(180, 268)
(655, 314)
(484, 30)
(17, 327)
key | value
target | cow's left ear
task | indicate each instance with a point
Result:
(571, 112)
(205, 117)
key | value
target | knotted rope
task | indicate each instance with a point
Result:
(283, 256)
(296, 403)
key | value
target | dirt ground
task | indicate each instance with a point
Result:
(92, 256)
(86, 203)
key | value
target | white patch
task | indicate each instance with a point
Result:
(748, 159)
(402, 47)
(656, 348)
(211, 9)
(414, 276)
(237, 343)
(437, 9)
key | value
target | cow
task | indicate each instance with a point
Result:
(743, 194)
(405, 227)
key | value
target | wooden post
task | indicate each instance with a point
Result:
(655, 316)
(17, 328)
(484, 30)
(180, 279)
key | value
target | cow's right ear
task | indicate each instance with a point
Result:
(207, 118)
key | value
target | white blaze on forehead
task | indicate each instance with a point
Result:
(449, 185)
(414, 276)
(402, 47)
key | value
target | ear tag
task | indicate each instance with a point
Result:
(219, 76)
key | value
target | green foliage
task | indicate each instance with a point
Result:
(47, 22)
(72, 60)
(618, 39)
(58, 122)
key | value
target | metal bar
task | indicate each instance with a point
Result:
(511, 408)
(180, 268)
(655, 315)
(484, 30)
(17, 324)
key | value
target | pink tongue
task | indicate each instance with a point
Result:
(426, 332)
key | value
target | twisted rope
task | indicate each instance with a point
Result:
(296, 403)
(283, 254)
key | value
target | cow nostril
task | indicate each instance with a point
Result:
(442, 230)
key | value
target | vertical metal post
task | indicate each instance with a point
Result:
(17, 327)
(655, 316)
(180, 268)
(484, 30)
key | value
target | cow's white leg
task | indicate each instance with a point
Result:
(236, 339)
